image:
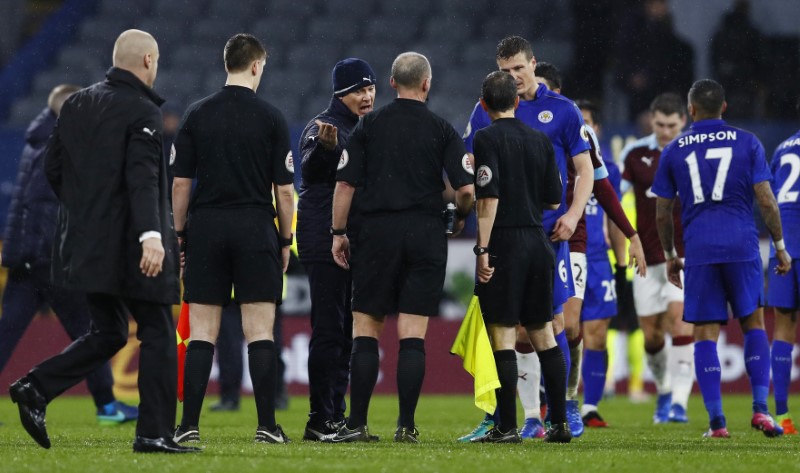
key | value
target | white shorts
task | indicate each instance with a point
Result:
(652, 295)
(578, 261)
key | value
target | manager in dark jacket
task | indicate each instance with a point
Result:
(27, 245)
(115, 241)
(321, 145)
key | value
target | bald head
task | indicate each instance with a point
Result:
(136, 51)
(410, 70)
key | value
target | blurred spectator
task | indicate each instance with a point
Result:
(651, 58)
(736, 61)
(11, 13)
(171, 116)
(591, 53)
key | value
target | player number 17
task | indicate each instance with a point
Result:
(724, 155)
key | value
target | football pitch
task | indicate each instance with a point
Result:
(631, 444)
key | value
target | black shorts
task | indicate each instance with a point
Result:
(400, 265)
(521, 288)
(232, 248)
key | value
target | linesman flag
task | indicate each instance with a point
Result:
(182, 333)
(473, 346)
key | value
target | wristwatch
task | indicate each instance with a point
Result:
(339, 231)
(286, 241)
(479, 250)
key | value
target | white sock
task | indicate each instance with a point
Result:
(576, 357)
(681, 368)
(657, 363)
(530, 374)
(587, 408)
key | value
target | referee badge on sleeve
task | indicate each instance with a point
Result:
(172, 155)
(467, 165)
(484, 176)
(343, 160)
(289, 162)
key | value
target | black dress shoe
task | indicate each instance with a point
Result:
(32, 406)
(160, 445)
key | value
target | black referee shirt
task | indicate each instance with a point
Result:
(237, 146)
(516, 164)
(397, 154)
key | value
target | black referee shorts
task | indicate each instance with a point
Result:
(400, 265)
(521, 288)
(228, 248)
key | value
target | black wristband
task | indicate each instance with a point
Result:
(338, 231)
(286, 241)
(180, 233)
(461, 216)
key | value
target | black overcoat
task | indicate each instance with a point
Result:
(105, 163)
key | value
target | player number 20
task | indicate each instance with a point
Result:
(786, 194)
(611, 291)
(724, 155)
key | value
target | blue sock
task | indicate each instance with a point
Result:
(595, 365)
(561, 339)
(110, 408)
(781, 374)
(709, 376)
(756, 362)
(495, 417)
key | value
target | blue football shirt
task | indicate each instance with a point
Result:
(785, 174)
(713, 166)
(560, 119)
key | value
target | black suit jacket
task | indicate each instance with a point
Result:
(105, 163)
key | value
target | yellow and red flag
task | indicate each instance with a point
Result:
(182, 333)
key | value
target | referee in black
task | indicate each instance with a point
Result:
(237, 147)
(397, 155)
(516, 176)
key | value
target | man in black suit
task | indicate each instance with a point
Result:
(115, 241)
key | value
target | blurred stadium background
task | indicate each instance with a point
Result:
(597, 45)
(605, 49)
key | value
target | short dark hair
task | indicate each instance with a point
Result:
(410, 69)
(499, 91)
(707, 96)
(589, 106)
(241, 50)
(668, 103)
(510, 46)
(550, 73)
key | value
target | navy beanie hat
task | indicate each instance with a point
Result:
(351, 74)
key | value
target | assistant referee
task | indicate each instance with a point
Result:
(516, 177)
(397, 154)
(237, 147)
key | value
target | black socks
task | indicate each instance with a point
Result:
(261, 357)
(554, 372)
(199, 357)
(506, 362)
(410, 374)
(364, 366)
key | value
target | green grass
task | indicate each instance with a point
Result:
(632, 443)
